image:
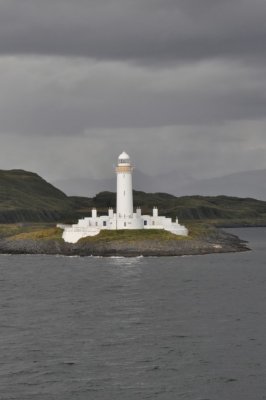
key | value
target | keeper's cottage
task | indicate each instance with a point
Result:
(125, 217)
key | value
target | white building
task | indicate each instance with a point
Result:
(124, 218)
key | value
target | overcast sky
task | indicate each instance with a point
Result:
(178, 84)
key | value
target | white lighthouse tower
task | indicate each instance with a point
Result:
(124, 195)
(125, 217)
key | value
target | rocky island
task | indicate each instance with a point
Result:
(126, 243)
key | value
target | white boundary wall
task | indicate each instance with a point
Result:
(91, 226)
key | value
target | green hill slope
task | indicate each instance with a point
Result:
(26, 197)
(220, 210)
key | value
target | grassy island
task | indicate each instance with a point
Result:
(47, 239)
(49, 232)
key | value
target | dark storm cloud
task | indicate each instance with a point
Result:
(62, 97)
(137, 30)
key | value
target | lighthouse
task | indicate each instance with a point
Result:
(124, 217)
(124, 195)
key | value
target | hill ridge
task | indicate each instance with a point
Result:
(27, 197)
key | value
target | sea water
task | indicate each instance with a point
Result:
(189, 327)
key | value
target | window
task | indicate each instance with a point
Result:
(145, 222)
(125, 224)
(104, 223)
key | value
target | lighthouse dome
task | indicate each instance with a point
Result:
(124, 159)
(124, 156)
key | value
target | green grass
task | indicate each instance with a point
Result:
(9, 230)
(39, 234)
(30, 231)
(132, 235)
(197, 230)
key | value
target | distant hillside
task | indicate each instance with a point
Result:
(26, 197)
(240, 184)
(223, 210)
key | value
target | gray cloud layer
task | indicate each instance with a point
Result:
(180, 84)
(63, 97)
(137, 30)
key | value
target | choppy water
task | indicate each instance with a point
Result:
(142, 328)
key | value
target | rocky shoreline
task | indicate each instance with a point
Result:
(221, 242)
